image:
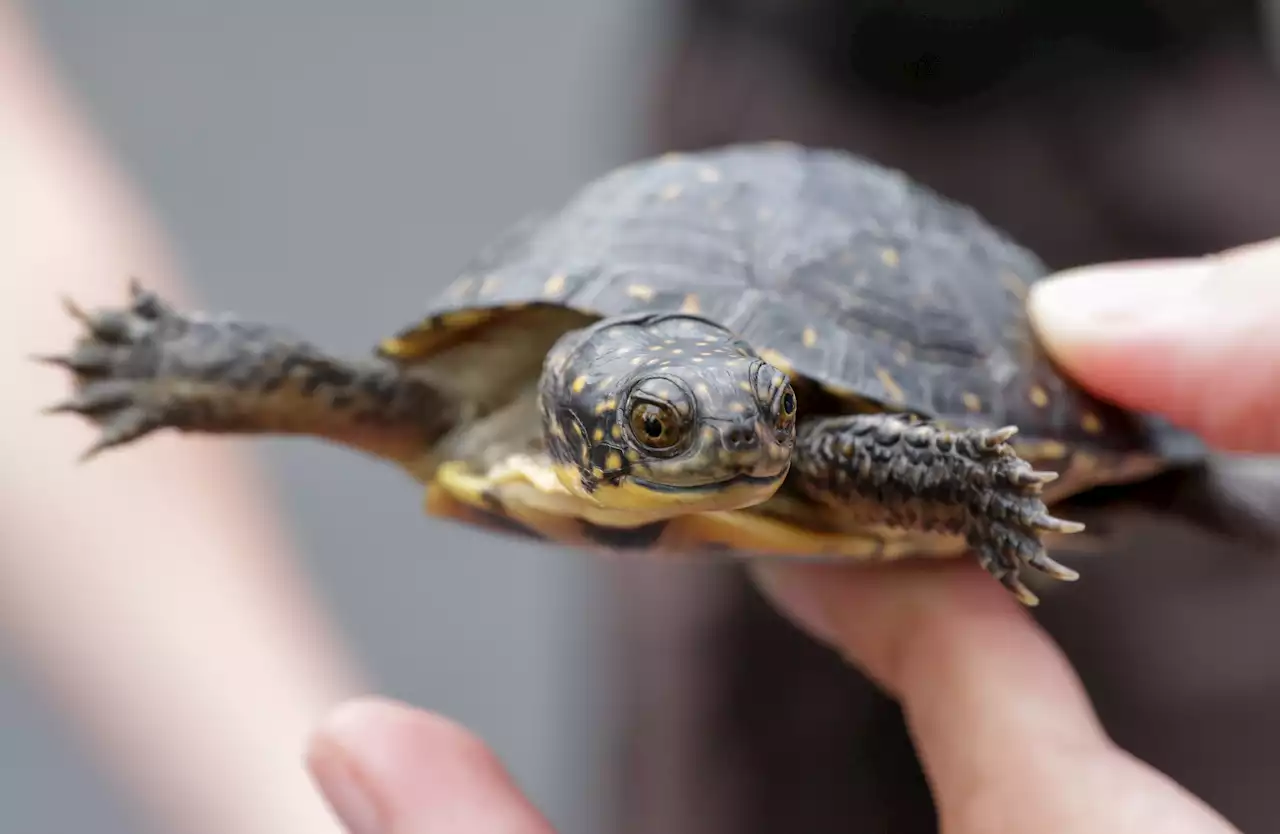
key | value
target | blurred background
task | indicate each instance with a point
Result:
(330, 168)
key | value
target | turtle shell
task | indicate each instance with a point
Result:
(840, 271)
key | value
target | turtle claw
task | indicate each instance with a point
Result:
(1019, 589)
(998, 437)
(112, 387)
(96, 399)
(1042, 562)
(123, 427)
(1005, 530)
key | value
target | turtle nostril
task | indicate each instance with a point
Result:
(741, 438)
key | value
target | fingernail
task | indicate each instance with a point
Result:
(1120, 301)
(343, 787)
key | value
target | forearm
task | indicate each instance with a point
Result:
(151, 591)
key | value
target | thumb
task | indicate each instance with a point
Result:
(386, 768)
(1197, 341)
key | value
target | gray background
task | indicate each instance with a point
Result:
(329, 165)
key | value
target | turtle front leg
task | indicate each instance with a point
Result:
(890, 470)
(146, 366)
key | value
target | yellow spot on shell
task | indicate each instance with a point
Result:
(745, 386)
(672, 191)
(972, 401)
(613, 461)
(579, 384)
(1090, 423)
(555, 284)
(597, 435)
(690, 304)
(1047, 450)
(777, 360)
(615, 431)
(890, 257)
(1039, 396)
(809, 337)
(464, 318)
(633, 455)
(890, 386)
(640, 291)
(606, 406)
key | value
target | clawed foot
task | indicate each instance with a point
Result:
(114, 366)
(1010, 517)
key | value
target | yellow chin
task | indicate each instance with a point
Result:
(635, 495)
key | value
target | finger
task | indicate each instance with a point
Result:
(989, 699)
(386, 768)
(1197, 340)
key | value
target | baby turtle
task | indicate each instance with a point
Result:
(763, 349)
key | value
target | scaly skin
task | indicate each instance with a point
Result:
(889, 470)
(148, 367)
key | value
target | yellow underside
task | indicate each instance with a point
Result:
(527, 492)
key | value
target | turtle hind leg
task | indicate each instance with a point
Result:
(888, 470)
(145, 366)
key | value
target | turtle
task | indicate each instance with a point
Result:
(765, 349)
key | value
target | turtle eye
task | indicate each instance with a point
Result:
(786, 409)
(659, 414)
(788, 402)
(655, 426)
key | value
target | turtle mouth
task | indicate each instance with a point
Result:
(741, 480)
(666, 499)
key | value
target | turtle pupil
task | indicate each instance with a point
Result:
(652, 426)
(788, 402)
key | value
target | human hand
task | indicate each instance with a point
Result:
(1002, 724)
(387, 768)
(1003, 727)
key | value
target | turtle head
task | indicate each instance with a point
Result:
(666, 415)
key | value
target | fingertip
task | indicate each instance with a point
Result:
(1194, 340)
(376, 723)
(385, 766)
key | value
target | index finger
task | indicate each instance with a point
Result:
(988, 696)
(1197, 341)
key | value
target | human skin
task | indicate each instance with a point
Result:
(153, 596)
(1001, 722)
